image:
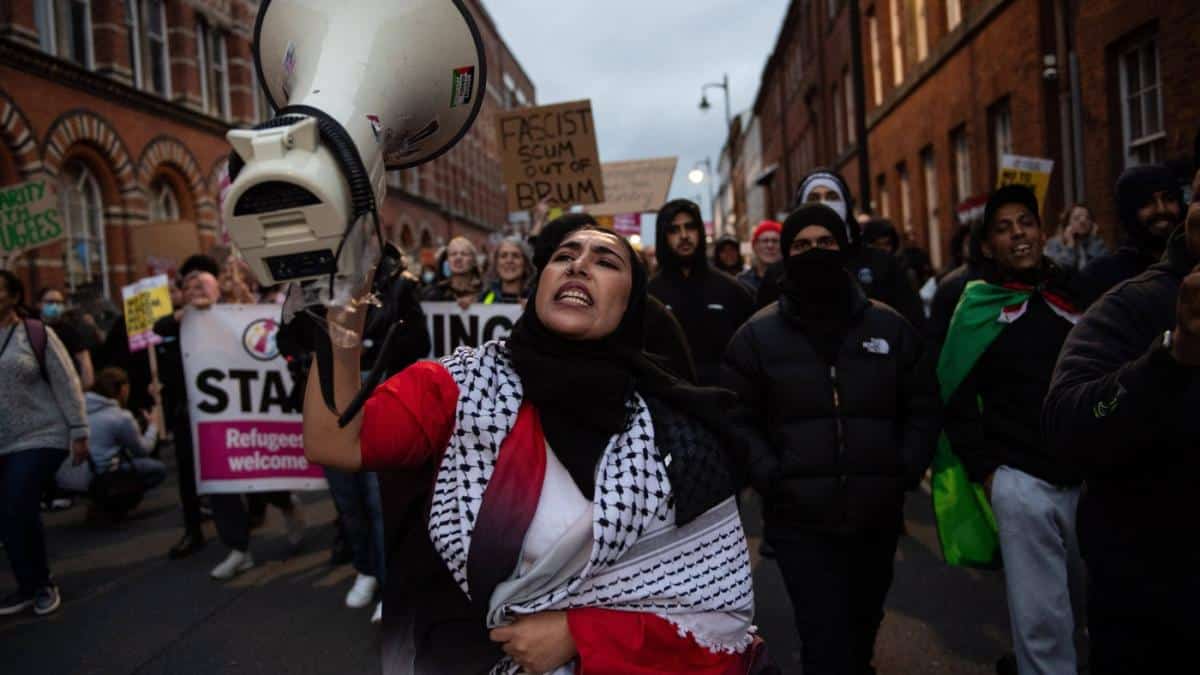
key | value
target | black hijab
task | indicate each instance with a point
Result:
(580, 387)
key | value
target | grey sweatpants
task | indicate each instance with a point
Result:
(1043, 570)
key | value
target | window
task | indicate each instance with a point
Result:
(919, 16)
(262, 106)
(82, 208)
(164, 205)
(876, 67)
(953, 13)
(1141, 104)
(839, 122)
(65, 29)
(905, 196)
(833, 6)
(929, 171)
(848, 86)
(885, 199)
(133, 29)
(897, 44)
(157, 77)
(212, 62)
(1000, 122)
(962, 164)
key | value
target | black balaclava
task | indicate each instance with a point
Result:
(1135, 187)
(580, 387)
(668, 262)
(724, 242)
(817, 289)
(1009, 194)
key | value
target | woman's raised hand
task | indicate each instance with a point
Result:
(539, 643)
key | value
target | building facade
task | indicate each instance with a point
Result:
(949, 86)
(125, 104)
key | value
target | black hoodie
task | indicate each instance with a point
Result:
(709, 304)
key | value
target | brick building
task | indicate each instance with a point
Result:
(949, 86)
(125, 104)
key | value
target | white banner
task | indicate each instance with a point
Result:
(451, 326)
(246, 434)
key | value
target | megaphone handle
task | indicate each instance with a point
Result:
(373, 377)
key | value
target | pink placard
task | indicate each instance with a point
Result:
(249, 450)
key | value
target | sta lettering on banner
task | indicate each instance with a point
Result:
(451, 327)
(246, 432)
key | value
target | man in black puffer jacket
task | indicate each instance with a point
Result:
(1122, 408)
(840, 407)
(709, 304)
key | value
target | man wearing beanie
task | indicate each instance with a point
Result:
(1122, 407)
(1150, 206)
(765, 243)
(994, 370)
(709, 304)
(839, 404)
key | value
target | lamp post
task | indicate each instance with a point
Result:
(724, 86)
(697, 176)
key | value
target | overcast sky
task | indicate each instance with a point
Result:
(642, 64)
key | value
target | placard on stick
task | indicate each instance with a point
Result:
(549, 152)
(29, 217)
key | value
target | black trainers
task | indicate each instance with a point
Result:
(47, 600)
(15, 603)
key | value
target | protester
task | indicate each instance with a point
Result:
(880, 234)
(765, 243)
(112, 433)
(174, 393)
(1122, 409)
(665, 340)
(41, 416)
(512, 273)
(951, 286)
(1150, 206)
(839, 399)
(463, 281)
(709, 304)
(727, 255)
(995, 369)
(557, 413)
(52, 307)
(1077, 241)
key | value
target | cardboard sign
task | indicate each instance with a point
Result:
(146, 301)
(550, 153)
(635, 186)
(451, 327)
(160, 248)
(246, 434)
(1032, 172)
(29, 217)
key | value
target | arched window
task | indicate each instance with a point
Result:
(82, 207)
(65, 29)
(164, 205)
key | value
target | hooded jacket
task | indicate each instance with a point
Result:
(723, 242)
(112, 428)
(709, 304)
(834, 446)
(1140, 250)
(1122, 411)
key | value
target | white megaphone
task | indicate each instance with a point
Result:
(360, 86)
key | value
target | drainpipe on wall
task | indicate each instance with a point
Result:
(860, 108)
(1061, 70)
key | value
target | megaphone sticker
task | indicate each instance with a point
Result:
(376, 127)
(289, 69)
(463, 86)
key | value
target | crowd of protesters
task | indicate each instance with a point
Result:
(1058, 374)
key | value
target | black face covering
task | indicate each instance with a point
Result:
(817, 283)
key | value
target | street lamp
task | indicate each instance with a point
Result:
(724, 86)
(697, 175)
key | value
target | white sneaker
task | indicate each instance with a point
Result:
(362, 592)
(295, 522)
(378, 615)
(234, 564)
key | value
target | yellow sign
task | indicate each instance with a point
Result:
(1032, 172)
(146, 301)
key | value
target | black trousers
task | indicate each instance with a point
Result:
(231, 513)
(838, 584)
(185, 463)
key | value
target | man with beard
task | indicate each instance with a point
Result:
(709, 304)
(994, 370)
(1150, 206)
(839, 405)
(1122, 408)
(765, 243)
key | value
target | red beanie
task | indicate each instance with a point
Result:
(765, 226)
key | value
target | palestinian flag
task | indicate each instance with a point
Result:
(966, 525)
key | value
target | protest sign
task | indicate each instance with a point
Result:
(246, 433)
(550, 153)
(634, 186)
(29, 217)
(1032, 172)
(451, 326)
(146, 301)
